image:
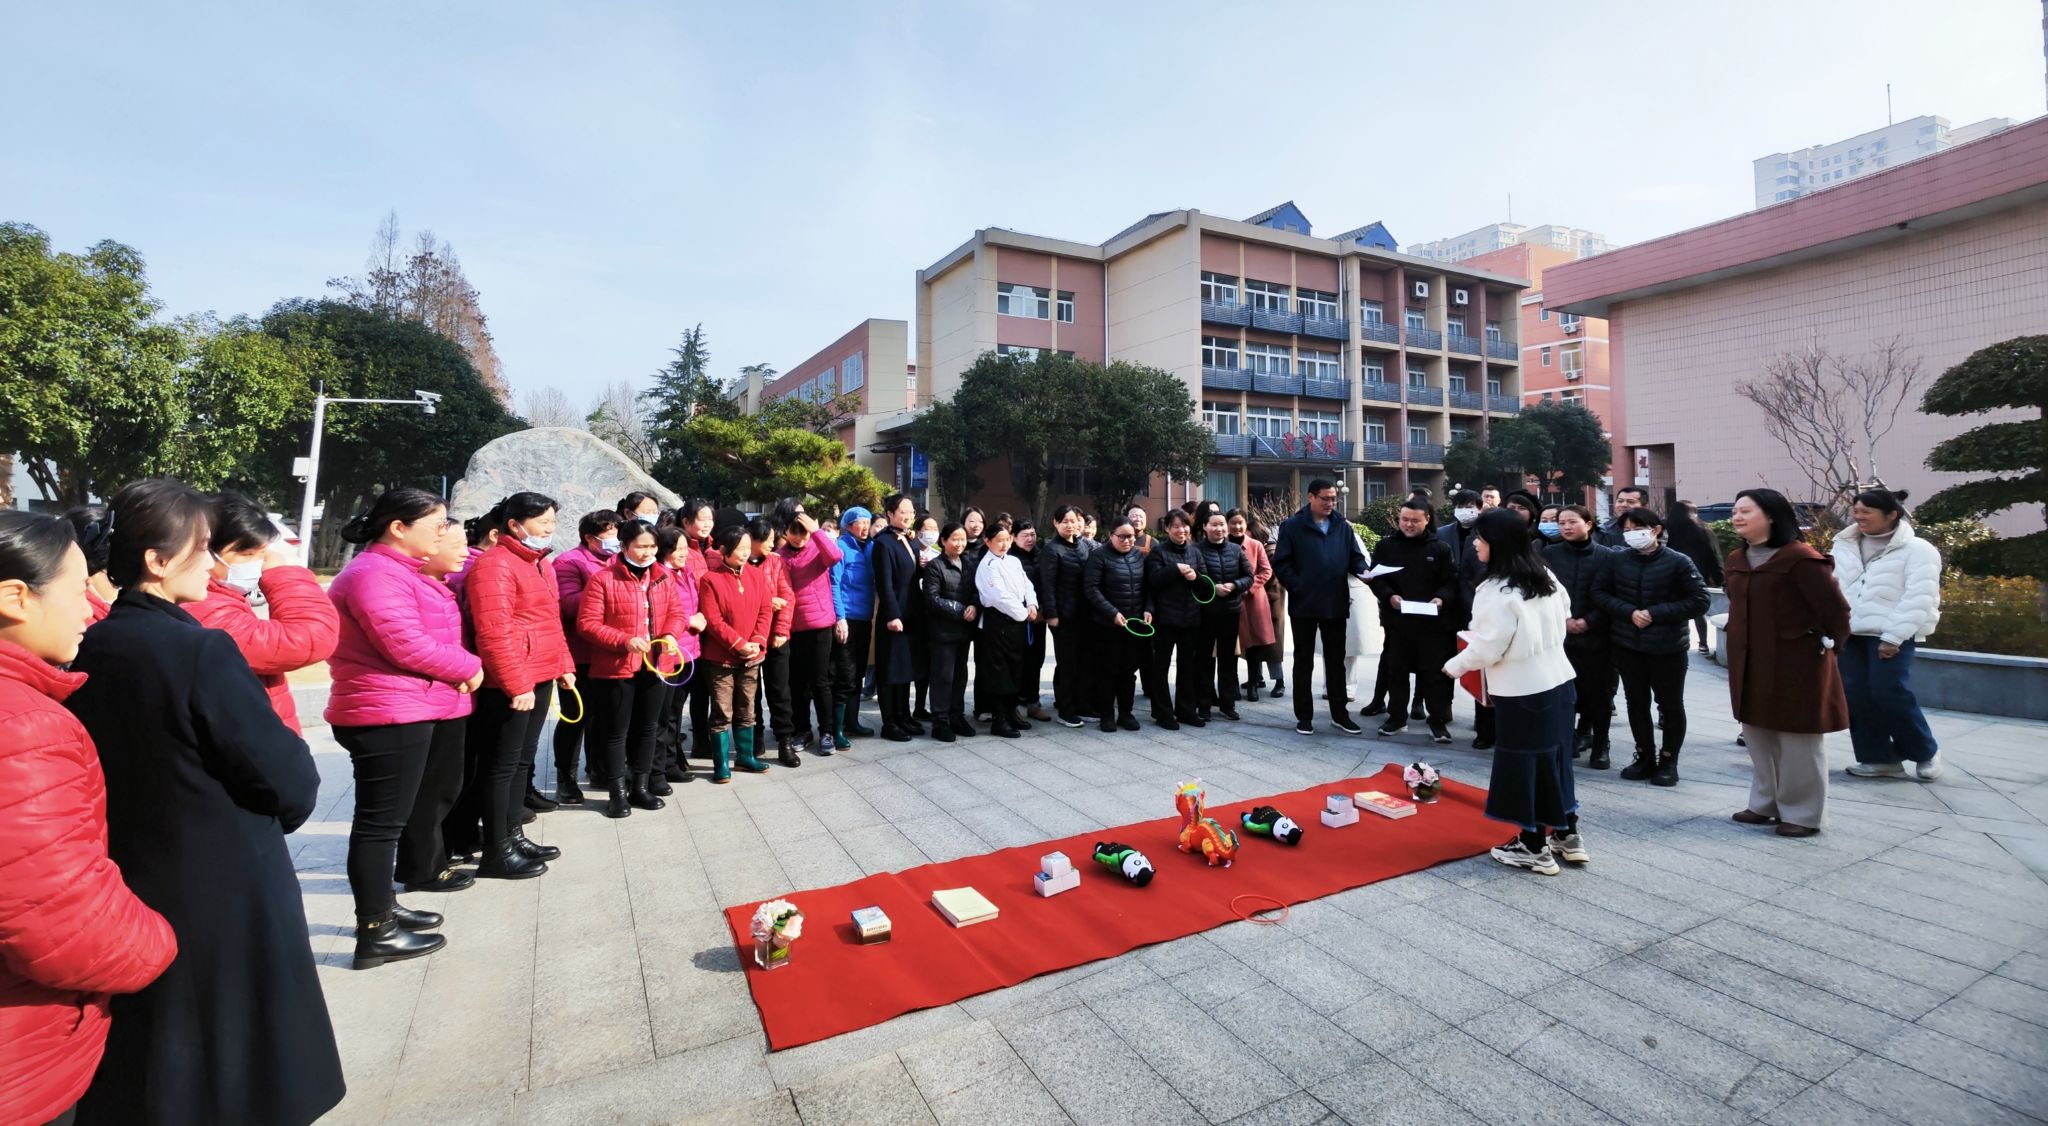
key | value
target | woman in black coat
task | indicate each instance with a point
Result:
(203, 783)
(894, 561)
(1582, 565)
(1113, 583)
(1223, 562)
(1062, 561)
(1173, 573)
(949, 612)
(1696, 541)
(1649, 595)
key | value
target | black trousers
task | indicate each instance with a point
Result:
(850, 662)
(624, 714)
(462, 829)
(1121, 656)
(1037, 641)
(1658, 675)
(1182, 647)
(1419, 651)
(1075, 642)
(505, 741)
(1305, 631)
(774, 714)
(699, 691)
(948, 665)
(569, 737)
(810, 681)
(388, 760)
(529, 749)
(1218, 651)
(422, 853)
(668, 732)
(1592, 674)
(1482, 721)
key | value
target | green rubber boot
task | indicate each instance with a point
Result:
(745, 760)
(839, 740)
(721, 757)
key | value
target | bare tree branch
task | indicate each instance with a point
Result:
(619, 417)
(1830, 413)
(547, 406)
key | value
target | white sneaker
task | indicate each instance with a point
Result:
(1515, 854)
(1878, 770)
(1929, 770)
(1569, 847)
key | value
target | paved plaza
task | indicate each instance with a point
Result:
(1892, 969)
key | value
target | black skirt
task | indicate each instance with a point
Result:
(1532, 759)
(999, 655)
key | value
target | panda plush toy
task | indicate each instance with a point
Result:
(1265, 821)
(1124, 859)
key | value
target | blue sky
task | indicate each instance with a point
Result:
(611, 173)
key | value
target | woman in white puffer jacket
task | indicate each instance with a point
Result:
(1892, 580)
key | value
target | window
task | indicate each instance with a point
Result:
(828, 387)
(1418, 435)
(1219, 352)
(1267, 359)
(1220, 418)
(1321, 424)
(1014, 300)
(853, 372)
(1268, 422)
(1546, 355)
(1376, 430)
(1372, 312)
(1459, 434)
(1415, 318)
(1375, 371)
(1455, 325)
(1017, 350)
(1266, 297)
(1418, 377)
(1493, 388)
(1493, 331)
(1543, 312)
(1066, 306)
(1571, 394)
(1375, 489)
(1320, 365)
(1457, 382)
(1218, 289)
(1315, 303)
(1572, 359)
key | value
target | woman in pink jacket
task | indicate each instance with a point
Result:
(808, 558)
(402, 684)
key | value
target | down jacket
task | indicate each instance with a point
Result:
(1312, 563)
(573, 569)
(618, 606)
(400, 656)
(515, 615)
(300, 631)
(810, 577)
(774, 572)
(1224, 563)
(1061, 567)
(736, 610)
(947, 595)
(1173, 596)
(853, 580)
(1663, 582)
(1582, 568)
(1114, 584)
(691, 640)
(1895, 597)
(71, 932)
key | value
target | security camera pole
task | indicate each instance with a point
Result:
(311, 462)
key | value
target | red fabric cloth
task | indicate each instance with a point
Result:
(615, 608)
(302, 629)
(71, 932)
(834, 985)
(515, 615)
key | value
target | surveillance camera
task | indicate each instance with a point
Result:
(428, 396)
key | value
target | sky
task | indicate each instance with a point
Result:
(613, 173)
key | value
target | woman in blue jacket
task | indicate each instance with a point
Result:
(853, 592)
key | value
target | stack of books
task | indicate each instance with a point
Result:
(872, 925)
(963, 907)
(1386, 805)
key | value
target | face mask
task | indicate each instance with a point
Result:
(1550, 529)
(1465, 516)
(1639, 538)
(638, 568)
(927, 538)
(536, 543)
(243, 576)
(610, 546)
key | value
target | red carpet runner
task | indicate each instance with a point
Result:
(834, 985)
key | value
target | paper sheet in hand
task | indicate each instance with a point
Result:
(1426, 609)
(1380, 569)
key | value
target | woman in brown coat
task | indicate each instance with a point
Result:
(1259, 626)
(1785, 616)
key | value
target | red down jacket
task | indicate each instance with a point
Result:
(515, 616)
(301, 630)
(617, 607)
(71, 933)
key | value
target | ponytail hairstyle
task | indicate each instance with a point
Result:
(239, 524)
(161, 515)
(520, 506)
(629, 505)
(478, 529)
(402, 505)
(1891, 502)
(632, 530)
(90, 525)
(32, 546)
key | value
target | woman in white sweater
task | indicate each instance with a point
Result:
(1516, 640)
(1010, 609)
(1892, 581)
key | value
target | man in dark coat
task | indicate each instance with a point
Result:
(1417, 645)
(1315, 554)
(1625, 498)
(1457, 535)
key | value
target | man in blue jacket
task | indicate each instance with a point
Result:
(853, 592)
(1314, 557)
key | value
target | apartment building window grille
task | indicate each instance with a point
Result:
(1375, 371)
(1455, 325)
(1218, 289)
(1546, 355)
(1376, 430)
(1014, 300)
(1268, 422)
(1322, 424)
(1459, 434)
(1571, 394)
(853, 372)
(1494, 388)
(1415, 318)
(1065, 309)
(1018, 350)
(1418, 435)
(1375, 489)
(1457, 383)
(1315, 303)
(1543, 312)
(1493, 332)
(1267, 359)
(1266, 296)
(1320, 365)
(1372, 312)
(1220, 418)
(1418, 377)
(1219, 352)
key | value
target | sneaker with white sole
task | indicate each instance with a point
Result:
(1304, 729)
(1343, 723)
(1569, 847)
(1390, 728)
(1515, 854)
(1929, 770)
(1878, 770)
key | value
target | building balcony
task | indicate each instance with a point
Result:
(1426, 396)
(1503, 350)
(1226, 313)
(1503, 404)
(1270, 321)
(1462, 343)
(1330, 328)
(1276, 383)
(1326, 388)
(1380, 332)
(1382, 391)
(1425, 453)
(1226, 379)
(1382, 451)
(1233, 445)
(1302, 447)
(1424, 338)
(1468, 400)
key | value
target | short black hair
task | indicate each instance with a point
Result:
(1175, 516)
(1784, 521)
(89, 524)
(160, 515)
(32, 546)
(523, 506)
(1642, 494)
(1641, 517)
(596, 523)
(633, 529)
(666, 537)
(1464, 498)
(1319, 484)
(239, 524)
(1418, 504)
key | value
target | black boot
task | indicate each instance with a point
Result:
(538, 802)
(853, 725)
(1667, 769)
(413, 920)
(1000, 725)
(1279, 687)
(961, 727)
(787, 755)
(676, 771)
(450, 879)
(382, 940)
(615, 804)
(1251, 693)
(534, 849)
(1598, 761)
(942, 730)
(640, 798)
(567, 792)
(504, 861)
(1645, 764)
(657, 784)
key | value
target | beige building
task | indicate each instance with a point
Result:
(1789, 175)
(1575, 241)
(869, 362)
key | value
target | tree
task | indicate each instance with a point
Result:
(619, 416)
(427, 287)
(774, 462)
(1563, 444)
(682, 390)
(1830, 412)
(1473, 463)
(1142, 422)
(547, 406)
(2010, 374)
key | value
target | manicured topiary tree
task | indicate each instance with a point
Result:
(2013, 373)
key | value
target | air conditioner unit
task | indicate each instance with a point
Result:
(1461, 297)
(1570, 325)
(1422, 290)
(1575, 375)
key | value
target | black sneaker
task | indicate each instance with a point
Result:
(1391, 727)
(1167, 721)
(1069, 721)
(1376, 708)
(1482, 744)
(1108, 725)
(1343, 723)
(1304, 729)
(1439, 734)
(1126, 722)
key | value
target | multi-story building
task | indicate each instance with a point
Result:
(1789, 175)
(1307, 356)
(1498, 236)
(870, 363)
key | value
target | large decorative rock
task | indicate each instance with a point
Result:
(580, 471)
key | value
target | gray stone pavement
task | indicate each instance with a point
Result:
(1892, 969)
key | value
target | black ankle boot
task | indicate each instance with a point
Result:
(534, 849)
(538, 802)
(962, 727)
(640, 798)
(413, 920)
(1645, 764)
(616, 805)
(504, 861)
(1598, 759)
(657, 784)
(676, 771)
(382, 940)
(567, 792)
(786, 754)
(1667, 769)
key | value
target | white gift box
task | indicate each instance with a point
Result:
(1338, 811)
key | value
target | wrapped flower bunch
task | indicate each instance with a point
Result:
(777, 924)
(1424, 783)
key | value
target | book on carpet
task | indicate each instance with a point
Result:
(872, 924)
(1386, 805)
(963, 907)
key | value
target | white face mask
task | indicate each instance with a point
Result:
(1465, 516)
(244, 576)
(536, 543)
(928, 538)
(609, 546)
(1639, 538)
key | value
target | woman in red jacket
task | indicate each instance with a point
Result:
(738, 616)
(628, 610)
(515, 616)
(71, 933)
(300, 630)
(774, 712)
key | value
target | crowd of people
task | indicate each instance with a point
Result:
(156, 962)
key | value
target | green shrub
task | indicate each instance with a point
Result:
(1380, 515)
(1724, 534)
(1371, 538)
(1990, 615)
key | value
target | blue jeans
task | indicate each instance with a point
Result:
(1885, 724)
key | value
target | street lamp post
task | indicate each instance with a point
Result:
(425, 399)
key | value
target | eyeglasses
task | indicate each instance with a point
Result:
(1124, 536)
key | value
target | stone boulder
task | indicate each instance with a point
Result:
(580, 471)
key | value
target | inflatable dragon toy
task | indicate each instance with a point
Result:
(1205, 835)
